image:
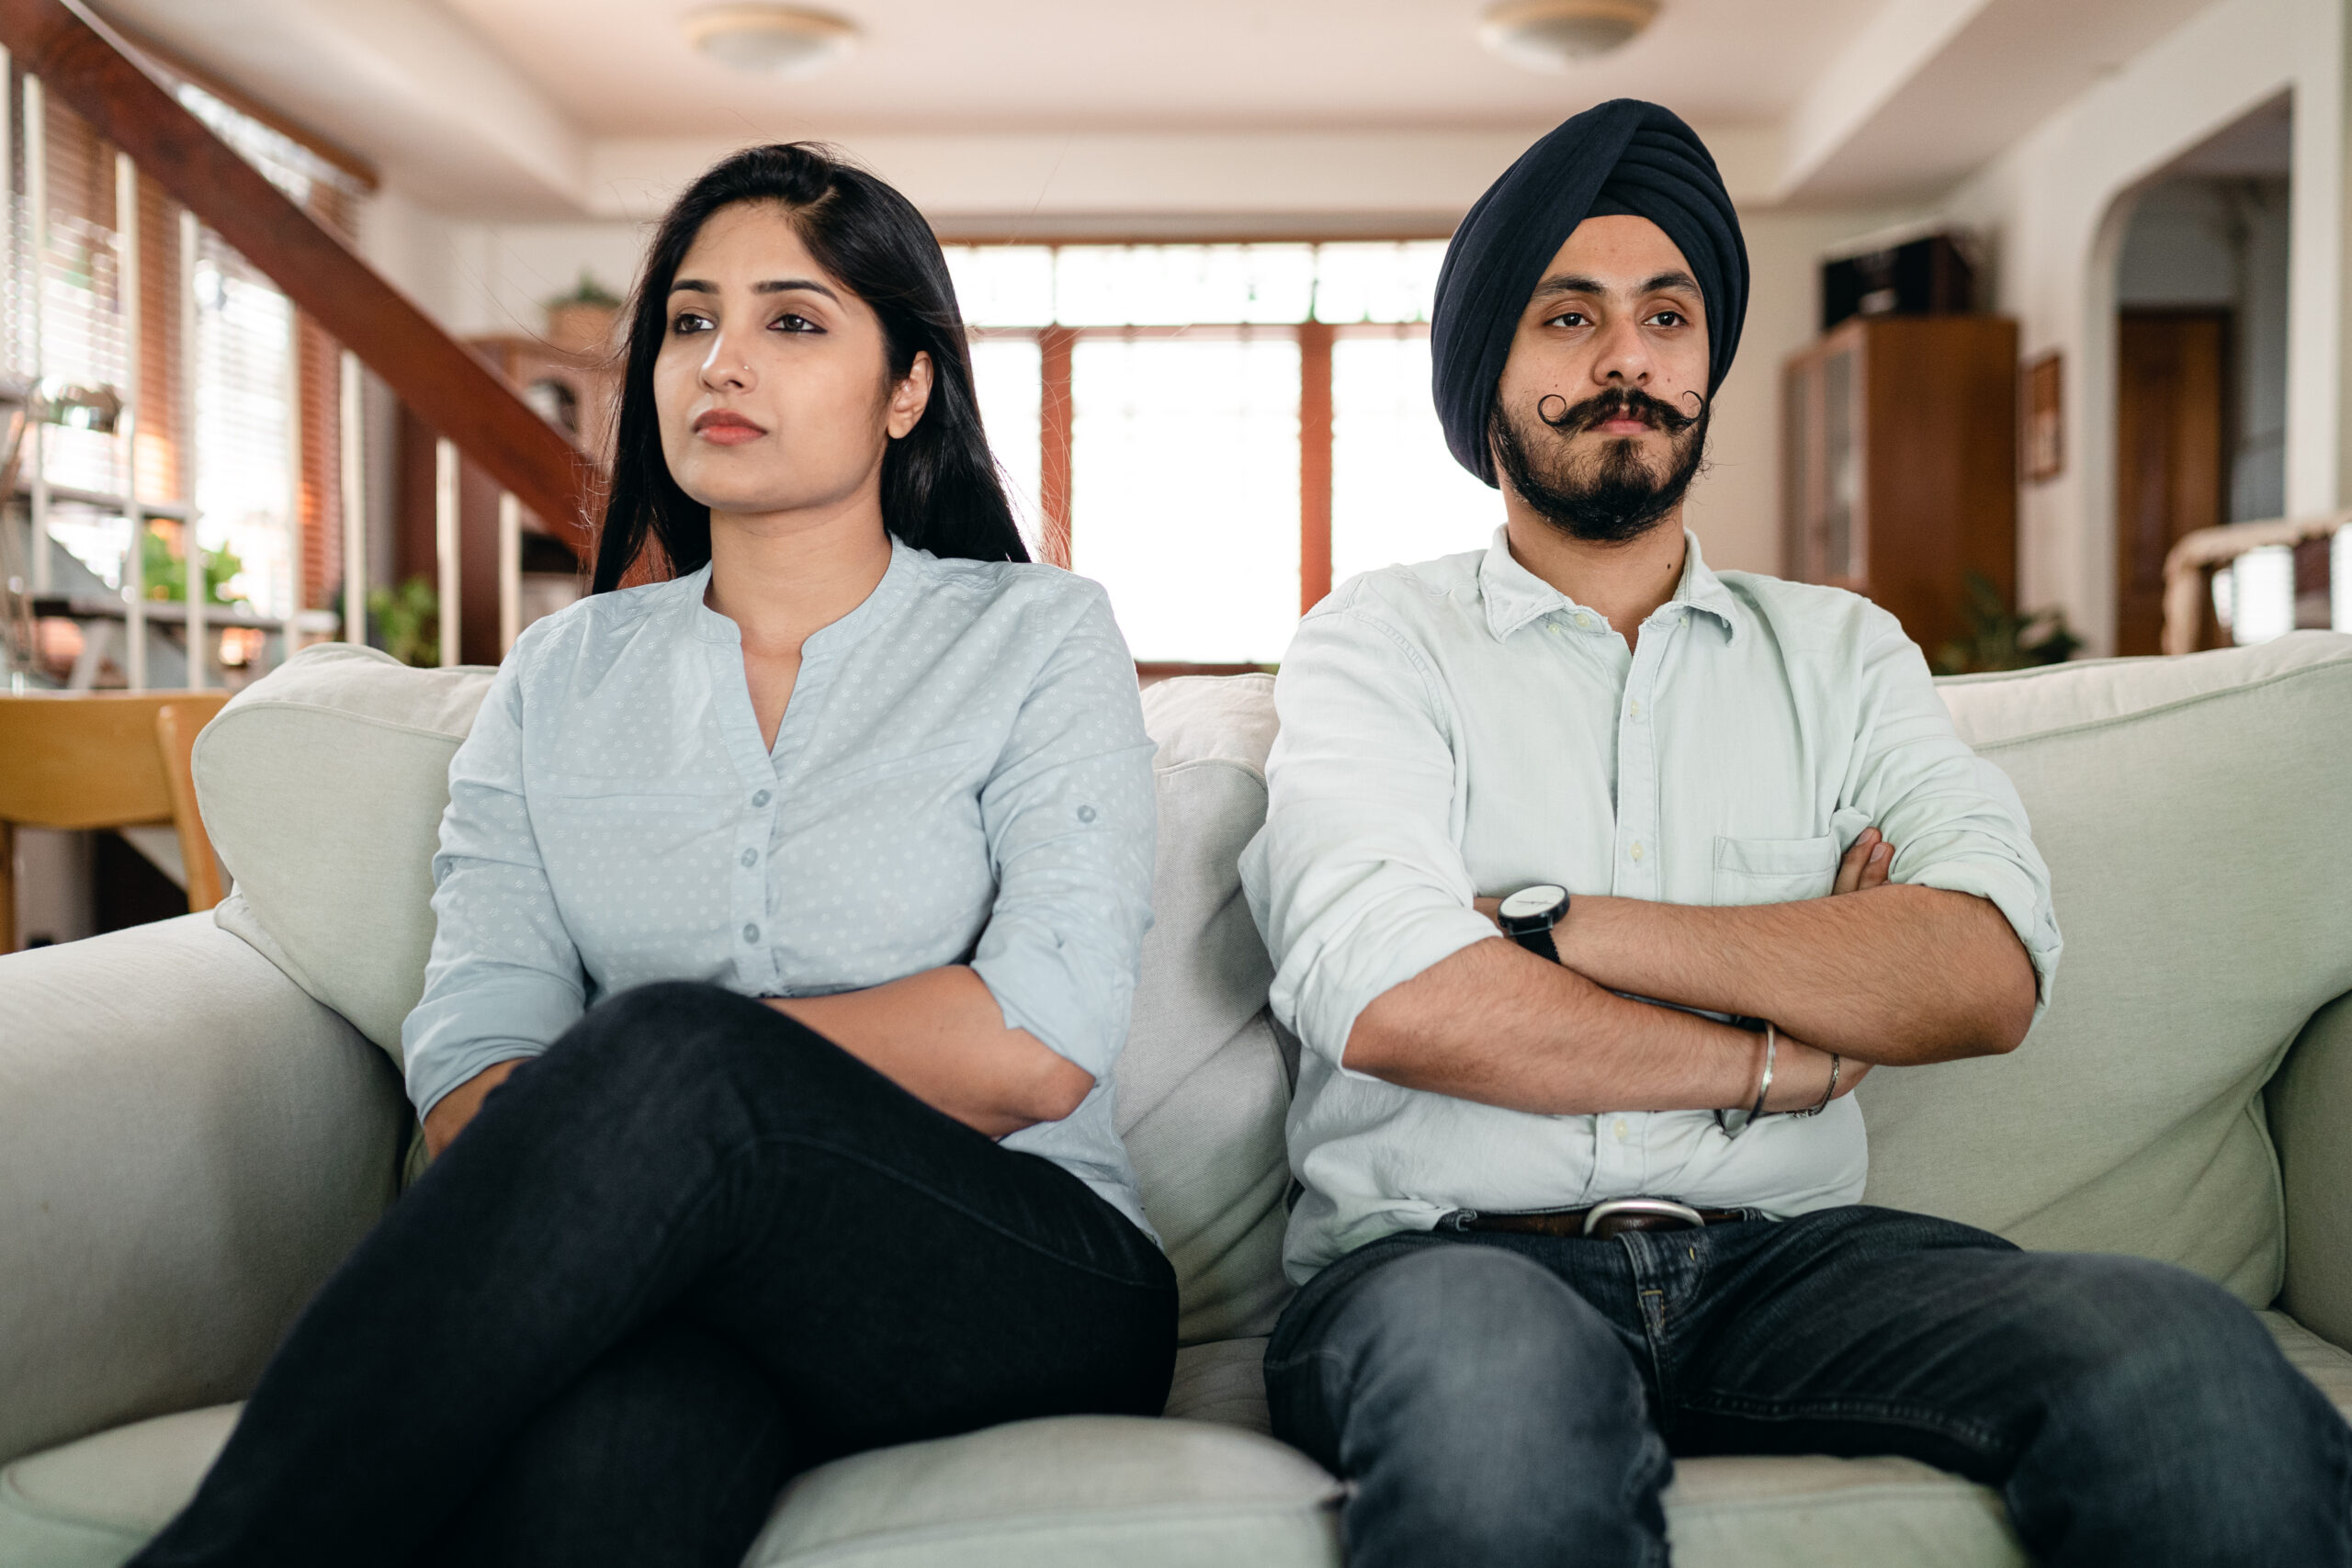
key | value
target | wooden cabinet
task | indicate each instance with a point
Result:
(1900, 464)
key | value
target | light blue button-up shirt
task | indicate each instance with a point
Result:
(962, 776)
(1460, 727)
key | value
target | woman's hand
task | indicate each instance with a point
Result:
(940, 1035)
(454, 1109)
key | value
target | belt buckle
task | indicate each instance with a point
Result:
(1648, 1208)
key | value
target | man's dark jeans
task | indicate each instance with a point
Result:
(1505, 1400)
(692, 1251)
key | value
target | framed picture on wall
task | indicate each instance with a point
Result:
(2042, 443)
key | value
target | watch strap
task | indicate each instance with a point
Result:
(1539, 944)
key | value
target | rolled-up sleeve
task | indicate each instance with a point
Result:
(1071, 822)
(1357, 880)
(1955, 820)
(504, 978)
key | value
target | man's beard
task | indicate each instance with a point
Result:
(1612, 496)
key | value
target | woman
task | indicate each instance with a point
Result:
(847, 817)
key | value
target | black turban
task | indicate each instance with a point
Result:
(1626, 156)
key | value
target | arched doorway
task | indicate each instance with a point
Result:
(2200, 356)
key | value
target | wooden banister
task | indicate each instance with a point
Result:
(2194, 555)
(87, 69)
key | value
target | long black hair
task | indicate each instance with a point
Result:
(940, 485)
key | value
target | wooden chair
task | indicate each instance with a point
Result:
(86, 759)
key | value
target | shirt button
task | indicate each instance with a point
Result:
(1618, 1128)
(1637, 849)
(751, 857)
(751, 933)
(1637, 707)
(1584, 622)
(762, 798)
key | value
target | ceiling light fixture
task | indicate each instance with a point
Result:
(776, 40)
(1557, 35)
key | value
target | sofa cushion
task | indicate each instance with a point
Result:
(1201, 1087)
(1075, 1491)
(1202, 1490)
(2191, 812)
(188, 1146)
(91, 1503)
(322, 786)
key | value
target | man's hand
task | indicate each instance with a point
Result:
(1865, 864)
(1801, 1076)
(1887, 973)
(454, 1109)
(1802, 1072)
(1864, 867)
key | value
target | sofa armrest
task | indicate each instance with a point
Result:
(188, 1146)
(2310, 1106)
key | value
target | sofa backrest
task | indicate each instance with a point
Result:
(2196, 816)
(2191, 810)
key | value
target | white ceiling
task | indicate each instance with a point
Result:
(623, 67)
(540, 108)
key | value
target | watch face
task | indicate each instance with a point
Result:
(1534, 903)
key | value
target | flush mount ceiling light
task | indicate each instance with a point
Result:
(1556, 35)
(776, 40)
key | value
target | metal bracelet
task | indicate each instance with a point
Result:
(1764, 1084)
(1836, 1065)
(1734, 1122)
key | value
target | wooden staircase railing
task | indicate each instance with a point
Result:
(87, 69)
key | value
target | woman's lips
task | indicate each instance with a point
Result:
(723, 428)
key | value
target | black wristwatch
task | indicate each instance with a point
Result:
(1528, 915)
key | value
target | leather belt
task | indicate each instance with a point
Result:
(1601, 1220)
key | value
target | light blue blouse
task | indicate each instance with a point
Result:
(962, 776)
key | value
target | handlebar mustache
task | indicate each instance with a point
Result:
(1618, 403)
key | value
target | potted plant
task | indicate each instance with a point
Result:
(581, 322)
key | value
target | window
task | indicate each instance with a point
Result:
(194, 398)
(1217, 433)
(1184, 457)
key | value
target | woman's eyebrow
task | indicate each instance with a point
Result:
(787, 284)
(773, 285)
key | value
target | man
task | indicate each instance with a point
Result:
(1669, 768)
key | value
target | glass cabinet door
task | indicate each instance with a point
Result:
(1822, 526)
(1842, 558)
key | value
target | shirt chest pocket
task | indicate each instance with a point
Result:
(1774, 871)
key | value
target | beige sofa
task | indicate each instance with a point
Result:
(199, 1118)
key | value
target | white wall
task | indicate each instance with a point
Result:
(2055, 207)
(1735, 507)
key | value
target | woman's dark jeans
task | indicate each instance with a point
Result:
(694, 1249)
(1514, 1400)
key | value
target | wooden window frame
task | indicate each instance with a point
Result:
(1057, 347)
